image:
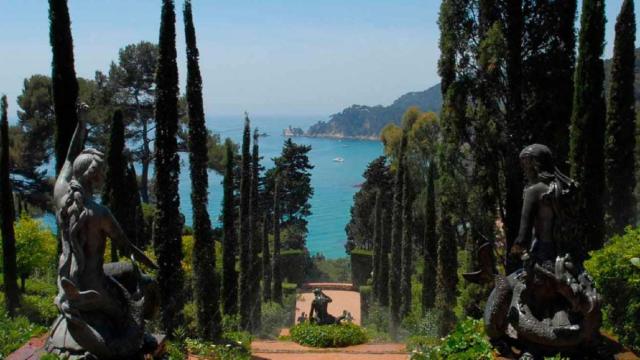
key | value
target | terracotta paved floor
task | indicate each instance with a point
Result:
(287, 350)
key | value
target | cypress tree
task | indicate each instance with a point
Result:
(430, 244)
(141, 229)
(395, 265)
(245, 283)
(115, 188)
(377, 245)
(588, 123)
(407, 246)
(63, 78)
(229, 244)
(276, 274)
(168, 224)
(447, 157)
(204, 252)
(514, 124)
(385, 248)
(266, 260)
(9, 267)
(255, 247)
(621, 128)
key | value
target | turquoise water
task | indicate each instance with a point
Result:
(334, 183)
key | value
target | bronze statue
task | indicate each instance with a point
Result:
(318, 313)
(550, 304)
(102, 306)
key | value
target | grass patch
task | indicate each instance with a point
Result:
(337, 335)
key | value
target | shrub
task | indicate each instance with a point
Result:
(289, 289)
(361, 266)
(14, 332)
(296, 262)
(35, 247)
(276, 316)
(337, 335)
(466, 342)
(617, 280)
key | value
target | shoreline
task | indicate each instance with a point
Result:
(340, 137)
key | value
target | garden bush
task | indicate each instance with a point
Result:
(337, 335)
(616, 272)
(35, 248)
(361, 266)
(466, 342)
(294, 265)
(276, 316)
(15, 332)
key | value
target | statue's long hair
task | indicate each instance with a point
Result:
(73, 215)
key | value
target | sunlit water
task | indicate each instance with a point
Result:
(334, 183)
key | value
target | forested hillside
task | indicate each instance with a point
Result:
(366, 122)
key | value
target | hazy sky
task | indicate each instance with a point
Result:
(269, 57)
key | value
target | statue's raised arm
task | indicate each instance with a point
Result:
(75, 148)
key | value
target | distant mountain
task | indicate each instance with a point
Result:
(366, 122)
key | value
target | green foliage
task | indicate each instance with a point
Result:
(293, 170)
(244, 282)
(377, 179)
(35, 246)
(296, 263)
(360, 121)
(222, 351)
(64, 84)
(466, 342)
(14, 332)
(361, 266)
(337, 335)
(276, 316)
(588, 124)
(618, 281)
(229, 275)
(329, 270)
(167, 230)
(621, 128)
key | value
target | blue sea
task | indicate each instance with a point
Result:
(334, 183)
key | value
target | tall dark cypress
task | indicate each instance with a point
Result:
(377, 244)
(385, 249)
(136, 214)
(168, 224)
(9, 267)
(588, 123)
(621, 126)
(430, 244)
(395, 265)
(245, 229)
(276, 273)
(207, 298)
(407, 246)
(63, 78)
(514, 125)
(115, 188)
(448, 159)
(266, 260)
(229, 244)
(256, 244)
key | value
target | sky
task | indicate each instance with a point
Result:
(267, 57)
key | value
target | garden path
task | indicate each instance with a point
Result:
(288, 350)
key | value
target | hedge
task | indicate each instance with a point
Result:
(361, 266)
(293, 264)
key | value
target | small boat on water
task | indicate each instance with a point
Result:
(338, 159)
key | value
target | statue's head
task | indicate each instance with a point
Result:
(88, 169)
(537, 162)
(317, 291)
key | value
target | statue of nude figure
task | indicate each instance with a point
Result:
(102, 305)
